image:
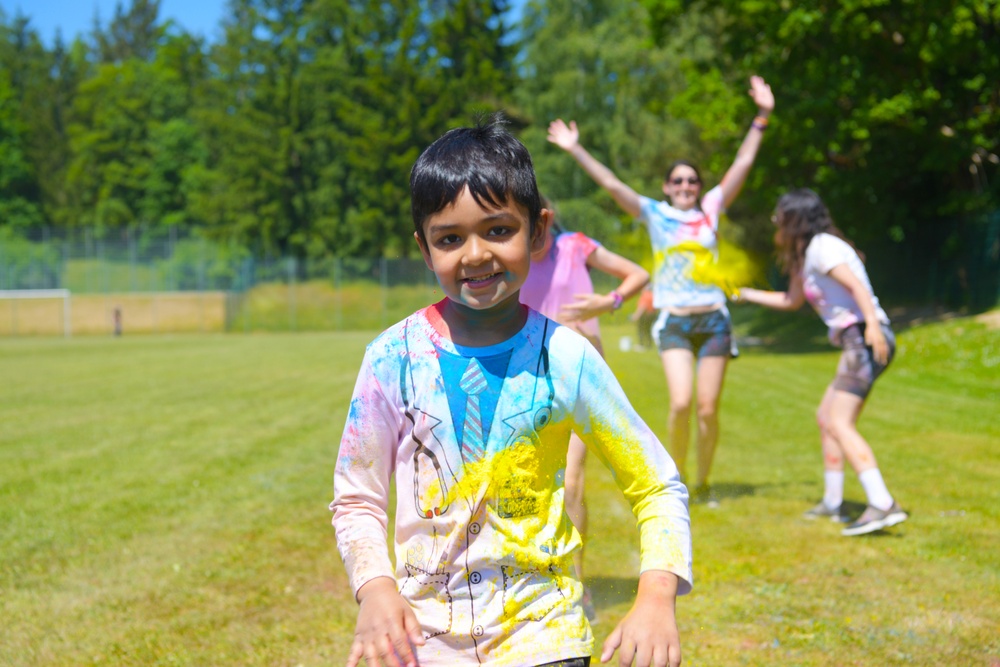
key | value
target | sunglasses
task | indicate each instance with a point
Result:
(691, 180)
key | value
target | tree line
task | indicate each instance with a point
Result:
(294, 131)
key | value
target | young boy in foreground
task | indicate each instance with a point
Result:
(470, 403)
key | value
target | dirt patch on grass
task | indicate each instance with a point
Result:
(990, 319)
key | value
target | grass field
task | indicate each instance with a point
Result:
(163, 502)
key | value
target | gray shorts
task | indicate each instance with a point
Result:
(858, 370)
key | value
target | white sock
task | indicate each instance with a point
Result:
(875, 489)
(833, 490)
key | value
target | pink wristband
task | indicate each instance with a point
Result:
(619, 299)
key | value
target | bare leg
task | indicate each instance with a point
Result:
(845, 408)
(576, 504)
(711, 373)
(833, 456)
(678, 366)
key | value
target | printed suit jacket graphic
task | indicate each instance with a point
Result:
(483, 547)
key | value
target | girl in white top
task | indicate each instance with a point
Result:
(826, 270)
(693, 332)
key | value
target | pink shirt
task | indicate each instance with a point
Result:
(562, 273)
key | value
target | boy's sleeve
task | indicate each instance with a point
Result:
(365, 464)
(641, 467)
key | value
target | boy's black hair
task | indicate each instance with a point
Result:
(486, 158)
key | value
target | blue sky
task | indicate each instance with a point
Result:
(74, 17)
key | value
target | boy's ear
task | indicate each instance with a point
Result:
(423, 251)
(541, 230)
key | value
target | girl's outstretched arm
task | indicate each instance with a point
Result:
(633, 277)
(791, 299)
(567, 137)
(736, 175)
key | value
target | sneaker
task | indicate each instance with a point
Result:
(705, 495)
(873, 519)
(588, 606)
(823, 511)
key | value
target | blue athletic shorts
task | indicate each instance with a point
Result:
(857, 369)
(705, 334)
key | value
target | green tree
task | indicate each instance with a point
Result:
(890, 108)
(38, 85)
(132, 33)
(134, 145)
(596, 63)
(19, 196)
(320, 107)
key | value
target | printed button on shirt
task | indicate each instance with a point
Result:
(474, 528)
(477, 631)
(475, 577)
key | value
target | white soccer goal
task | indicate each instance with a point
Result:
(21, 321)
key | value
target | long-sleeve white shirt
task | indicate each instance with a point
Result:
(483, 546)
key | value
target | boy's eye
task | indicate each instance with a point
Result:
(500, 231)
(448, 239)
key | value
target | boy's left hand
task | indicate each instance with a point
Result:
(648, 634)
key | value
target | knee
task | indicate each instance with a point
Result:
(838, 428)
(707, 409)
(680, 408)
(824, 423)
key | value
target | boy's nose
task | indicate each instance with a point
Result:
(478, 251)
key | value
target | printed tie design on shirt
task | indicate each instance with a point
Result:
(473, 383)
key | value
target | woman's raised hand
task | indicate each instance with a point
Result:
(761, 94)
(564, 136)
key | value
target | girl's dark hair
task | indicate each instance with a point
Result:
(486, 158)
(680, 163)
(800, 215)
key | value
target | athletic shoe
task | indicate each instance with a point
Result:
(873, 519)
(705, 495)
(588, 606)
(822, 511)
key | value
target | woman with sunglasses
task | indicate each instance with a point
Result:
(824, 268)
(693, 331)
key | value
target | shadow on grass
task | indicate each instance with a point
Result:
(732, 490)
(611, 591)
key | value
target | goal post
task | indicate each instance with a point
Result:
(16, 296)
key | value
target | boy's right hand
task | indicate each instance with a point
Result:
(387, 628)
(564, 136)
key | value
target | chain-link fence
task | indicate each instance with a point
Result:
(171, 280)
(136, 281)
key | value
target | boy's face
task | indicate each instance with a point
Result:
(480, 256)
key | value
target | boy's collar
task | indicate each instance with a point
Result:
(436, 318)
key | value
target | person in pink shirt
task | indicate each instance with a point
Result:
(559, 287)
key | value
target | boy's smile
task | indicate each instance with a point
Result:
(480, 256)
